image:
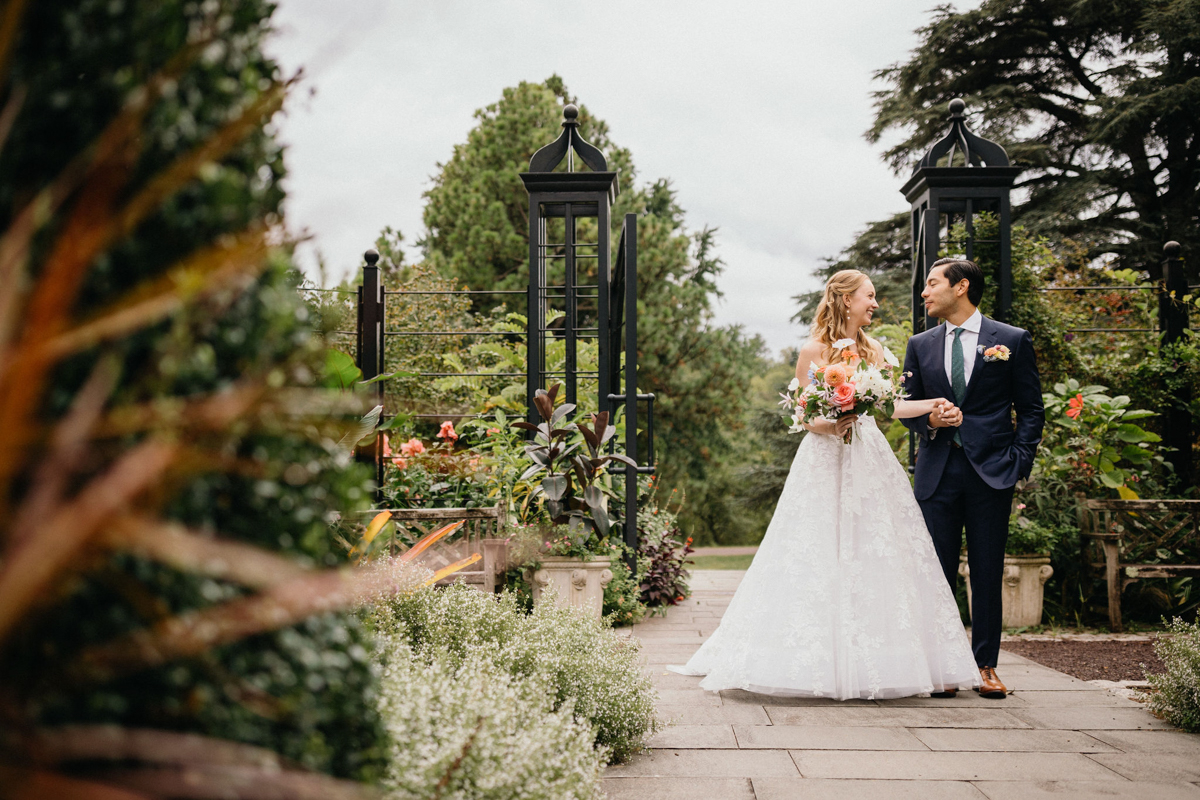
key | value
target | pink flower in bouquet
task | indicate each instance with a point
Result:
(843, 396)
(447, 432)
(413, 447)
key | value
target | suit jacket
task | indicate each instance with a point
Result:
(1002, 411)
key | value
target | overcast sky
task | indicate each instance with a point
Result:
(754, 110)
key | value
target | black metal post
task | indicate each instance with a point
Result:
(631, 400)
(370, 343)
(1173, 321)
(535, 309)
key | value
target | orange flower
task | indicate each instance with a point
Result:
(400, 464)
(447, 432)
(990, 352)
(836, 375)
(843, 396)
(851, 359)
(413, 447)
(1076, 406)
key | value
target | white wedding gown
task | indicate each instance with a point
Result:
(845, 597)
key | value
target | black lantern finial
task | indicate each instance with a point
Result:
(977, 151)
(550, 156)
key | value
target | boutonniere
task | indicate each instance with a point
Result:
(997, 353)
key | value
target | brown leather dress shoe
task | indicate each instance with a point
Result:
(991, 686)
(945, 695)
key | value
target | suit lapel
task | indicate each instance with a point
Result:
(936, 358)
(987, 338)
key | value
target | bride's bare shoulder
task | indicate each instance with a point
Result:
(812, 350)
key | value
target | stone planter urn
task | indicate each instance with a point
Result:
(1024, 579)
(573, 583)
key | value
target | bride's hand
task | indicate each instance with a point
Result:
(843, 424)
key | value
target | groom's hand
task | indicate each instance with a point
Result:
(946, 415)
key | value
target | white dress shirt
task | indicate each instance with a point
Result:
(969, 339)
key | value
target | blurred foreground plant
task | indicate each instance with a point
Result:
(167, 476)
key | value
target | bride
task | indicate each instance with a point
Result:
(845, 597)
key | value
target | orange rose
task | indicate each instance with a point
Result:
(843, 395)
(836, 375)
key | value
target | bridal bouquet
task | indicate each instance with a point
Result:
(846, 385)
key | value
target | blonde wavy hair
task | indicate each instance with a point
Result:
(830, 322)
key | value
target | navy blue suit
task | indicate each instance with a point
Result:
(971, 486)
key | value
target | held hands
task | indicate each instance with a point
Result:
(945, 414)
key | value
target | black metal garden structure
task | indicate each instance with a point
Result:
(943, 195)
(596, 299)
(575, 294)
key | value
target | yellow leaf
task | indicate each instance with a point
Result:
(428, 541)
(375, 527)
(453, 568)
(1127, 493)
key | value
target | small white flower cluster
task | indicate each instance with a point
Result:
(470, 729)
(555, 661)
(1176, 692)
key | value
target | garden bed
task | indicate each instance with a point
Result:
(1090, 660)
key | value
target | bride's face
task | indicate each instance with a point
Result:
(861, 305)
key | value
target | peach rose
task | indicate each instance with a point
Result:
(836, 375)
(413, 447)
(843, 396)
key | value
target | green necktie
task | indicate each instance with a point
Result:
(958, 376)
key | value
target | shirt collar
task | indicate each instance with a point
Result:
(973, 323)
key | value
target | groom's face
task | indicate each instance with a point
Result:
(941, 298)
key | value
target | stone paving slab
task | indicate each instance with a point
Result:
(1152, 766)
(818, 789)
(740, 697)
(707, 764)
(897, 717)
(1086, 790)
(678, 789)
(1025, 741)
(703, 737)
(826, 737)
(1163, 742)
(1090, 719)
(707, 715)
(964, 699)
(1052, 699)
(674, 697)
(950, 766)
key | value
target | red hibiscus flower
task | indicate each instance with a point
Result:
(1076, 406)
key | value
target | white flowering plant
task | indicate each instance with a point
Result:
(468, 728)
(1175, 694)
(846, 385)
(584, 664)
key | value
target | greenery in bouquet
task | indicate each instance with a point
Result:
(848, 384)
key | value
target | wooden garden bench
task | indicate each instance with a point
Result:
(479, 535)
(1128, 533)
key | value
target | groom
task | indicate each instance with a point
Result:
(972, 453)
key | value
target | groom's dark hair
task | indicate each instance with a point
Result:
(958, 268)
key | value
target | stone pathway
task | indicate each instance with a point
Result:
(1054, 736)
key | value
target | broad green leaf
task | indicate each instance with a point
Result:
(1114, 479)
(1140, 413)
(1106, 465)
(340, 370)
(1135, 455)
(1134, 434)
